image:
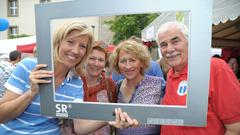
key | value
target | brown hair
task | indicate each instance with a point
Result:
(99, 48)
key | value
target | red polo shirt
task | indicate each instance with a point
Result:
(223, 104)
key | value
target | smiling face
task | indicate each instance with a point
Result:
(129, 65)
(96, 63)
(73, 48)
(174, 48)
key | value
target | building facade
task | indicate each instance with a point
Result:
(20, 14)
(21, 17)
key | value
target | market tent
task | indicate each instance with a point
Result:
(8, 45)
(110, 48)
(226, 34)
(224, 10)
(226, 24)
(149, 32)
(26, 48)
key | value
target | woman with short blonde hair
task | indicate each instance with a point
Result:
(131, 59)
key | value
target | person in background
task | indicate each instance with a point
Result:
(109, 49)
(223, 116)
(131, 59)
(20, 106)
(35, 51)
(216, 56)
(15, 57)
(153, 70)
(234, 65)
(7, 67)
(164, 66)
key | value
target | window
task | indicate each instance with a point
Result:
(45, 1)
(13, 31)
(12, 8)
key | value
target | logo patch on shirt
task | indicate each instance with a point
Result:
(182, 88)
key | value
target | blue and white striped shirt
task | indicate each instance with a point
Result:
(31, 121)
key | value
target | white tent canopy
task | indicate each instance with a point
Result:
(8, 45)
(149, 32)
(223, 10)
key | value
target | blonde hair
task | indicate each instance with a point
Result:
(132, 47)
(63, 32)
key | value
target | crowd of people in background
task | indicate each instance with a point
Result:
(85, 71)
(7, 67)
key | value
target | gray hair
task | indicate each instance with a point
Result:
(163, 28)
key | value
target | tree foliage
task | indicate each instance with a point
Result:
(125, 26)
(19, 36)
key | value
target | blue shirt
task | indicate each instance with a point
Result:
(31, 121)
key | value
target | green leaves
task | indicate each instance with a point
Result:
(125, 26)
(19, 36)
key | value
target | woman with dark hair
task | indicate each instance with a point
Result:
(234, 65)
(97, 86)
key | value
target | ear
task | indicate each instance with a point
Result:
(19, 58)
